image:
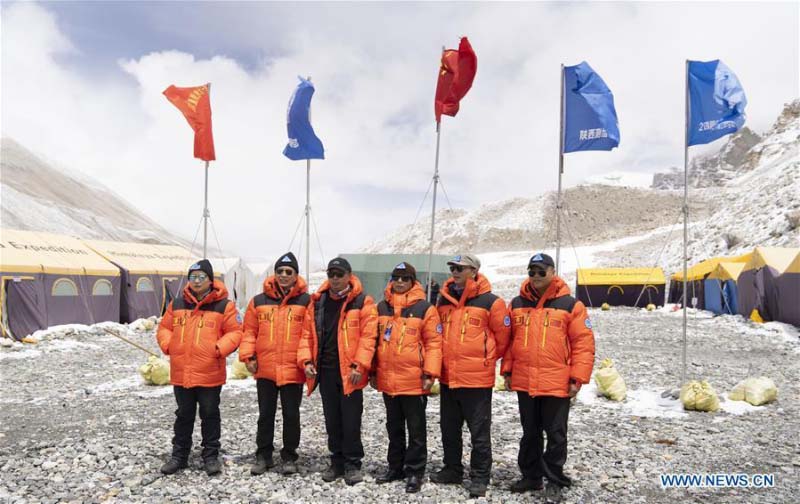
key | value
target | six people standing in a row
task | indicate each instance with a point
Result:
(339, 340)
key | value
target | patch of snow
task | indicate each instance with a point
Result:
(737, 407)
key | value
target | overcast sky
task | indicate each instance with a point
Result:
(82, 83)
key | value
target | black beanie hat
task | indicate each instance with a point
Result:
(405, 269)
(203, 265)
(287, 259)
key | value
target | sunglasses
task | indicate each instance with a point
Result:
(455, 267)
(336, 274)
(198, 277)
(533, 272)
(401, 278)
(284, 272)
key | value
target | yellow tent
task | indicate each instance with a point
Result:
(765, 286)
(726, 271)
(38, 252)
(700, 270)
(152, 274)
(49, 279)
(621, 286)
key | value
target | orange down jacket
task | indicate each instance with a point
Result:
(476, 333)
(273, 327)
(356, 335)
(409, 342)
(198, 336)
(552, 341)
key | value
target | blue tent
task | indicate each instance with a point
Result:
(720, 290)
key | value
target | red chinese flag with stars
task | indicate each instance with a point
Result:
(195, 104)
(455, 78)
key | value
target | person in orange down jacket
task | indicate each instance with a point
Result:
(408, 359)
(476, 332)
(273, 326)
(550, 356)
(198, 331)
(336, 353)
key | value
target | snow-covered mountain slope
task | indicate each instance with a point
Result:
(36, 196)
(753, 201)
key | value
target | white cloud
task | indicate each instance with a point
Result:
(374, 66)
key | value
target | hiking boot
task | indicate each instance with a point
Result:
(261, 465)
(477, 489)
(413, 483)
(389, 476)
(289, 467)
(526, 485)
(552, 493)
(332, 473)
(353, 476)
(174, 465)
(212, 466)
(447, 476)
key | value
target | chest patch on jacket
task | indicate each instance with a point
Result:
(210, 324)
(474, 321)
(352, 323)
(411, 331)
(556, 323)
(519, 320)
(297, 318)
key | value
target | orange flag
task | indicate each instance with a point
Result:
(195, 104)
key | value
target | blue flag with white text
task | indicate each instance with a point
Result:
(716, 102)
(590, 119)
(303, 142)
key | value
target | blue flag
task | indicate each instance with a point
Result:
(716, 101)
(590, 121)
(303, 143)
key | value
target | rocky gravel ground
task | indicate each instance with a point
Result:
(78, 425)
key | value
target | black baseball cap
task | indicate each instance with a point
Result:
(341, 264)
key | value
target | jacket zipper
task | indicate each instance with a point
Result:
(289, 326)
(402, 337)
(464, 326)
(544, 332)
(344, 327)
(183, 328)
(197, 332)
(272, 326)
(527, 324)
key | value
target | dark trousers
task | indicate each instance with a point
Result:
(538, 415)
(291, 394)
(188, 400)
(473, 405)
(342, 419)
(402, 412)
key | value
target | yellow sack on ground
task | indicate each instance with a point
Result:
(609, 382)
(699, 396)
(756, 391)
(499, 383)
(651, 307)
(155, 371)
(435, 389)
(240, 371)
(605, 306)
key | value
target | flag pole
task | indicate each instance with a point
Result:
(308, 206)
(205, 203)
(205, 218)
(308, 218)
(433, 212)
(685, 220)
(560, 172)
